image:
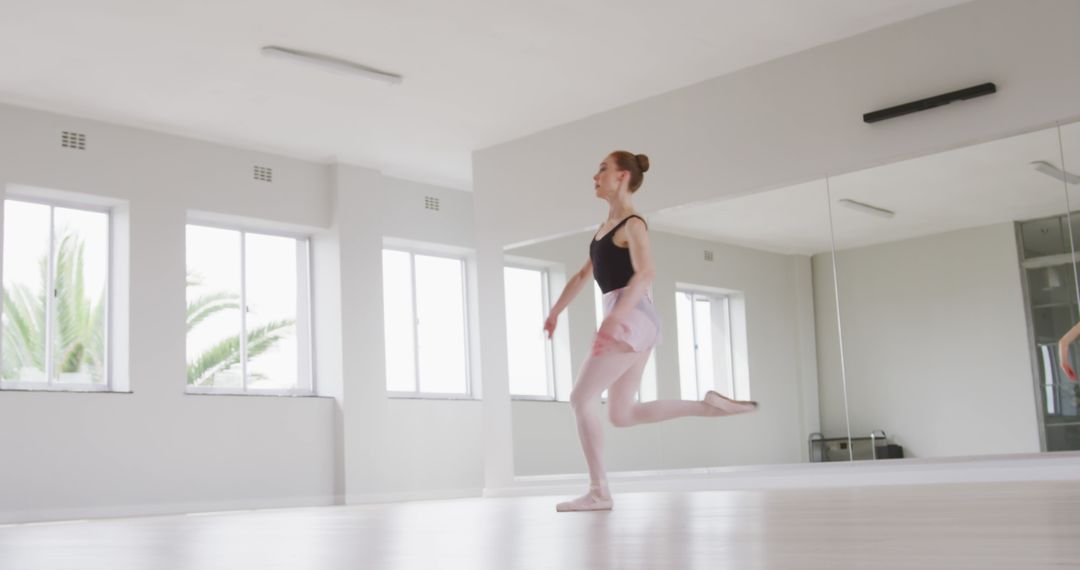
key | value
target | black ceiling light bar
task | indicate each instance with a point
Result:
(930, 103)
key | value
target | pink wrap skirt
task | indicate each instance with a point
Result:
(642, 329)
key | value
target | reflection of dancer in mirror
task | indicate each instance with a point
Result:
(621, 263)
(1063, 350)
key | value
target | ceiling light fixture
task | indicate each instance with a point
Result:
(333, 64)
(1057, 173)
(867, 208)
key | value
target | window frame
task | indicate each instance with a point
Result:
(417, 394)
(715, 298)
(550, 356)
(305, 361)
(49, 385)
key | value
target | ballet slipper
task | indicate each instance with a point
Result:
(597, 499)
(727, 406)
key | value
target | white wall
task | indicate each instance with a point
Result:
(782, 376)
(935, 341)
(158, 450)
(395, 448)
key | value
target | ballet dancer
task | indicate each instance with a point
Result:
(621, 262)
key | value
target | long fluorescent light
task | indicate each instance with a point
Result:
(333, 64)
(1058, 174)
(867, 208)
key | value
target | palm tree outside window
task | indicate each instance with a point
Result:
(54, 318)
(248, 325)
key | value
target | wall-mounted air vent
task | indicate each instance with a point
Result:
(72, 140)
(264, 174)
(708, 255)
(431, 203)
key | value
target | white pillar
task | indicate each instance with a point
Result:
(495, 389)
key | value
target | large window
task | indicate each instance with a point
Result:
(647, 392)
(706, 358)
(425, 325)
(530, 355)
(56, 297)
(248, 312)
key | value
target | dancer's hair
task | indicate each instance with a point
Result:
(636, 164)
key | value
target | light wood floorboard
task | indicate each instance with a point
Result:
(986, 526)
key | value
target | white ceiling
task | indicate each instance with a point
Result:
(964, 188)
(476, 72)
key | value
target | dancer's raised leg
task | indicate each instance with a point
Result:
(624, 411)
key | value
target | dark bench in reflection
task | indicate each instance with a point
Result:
(874, 446)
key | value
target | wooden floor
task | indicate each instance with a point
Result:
(1019, 526)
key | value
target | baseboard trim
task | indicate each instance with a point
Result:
(407, 496)
(1060, 466)
(163, 509)
(216, 508)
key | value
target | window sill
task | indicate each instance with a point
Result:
(539, 399)
(423, 396)
(64, 390)
(205, 392)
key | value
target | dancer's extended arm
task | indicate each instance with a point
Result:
(573, 287)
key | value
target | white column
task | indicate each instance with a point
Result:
(361, 382)
(498, 420)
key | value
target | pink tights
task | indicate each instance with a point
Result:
(619, 371)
